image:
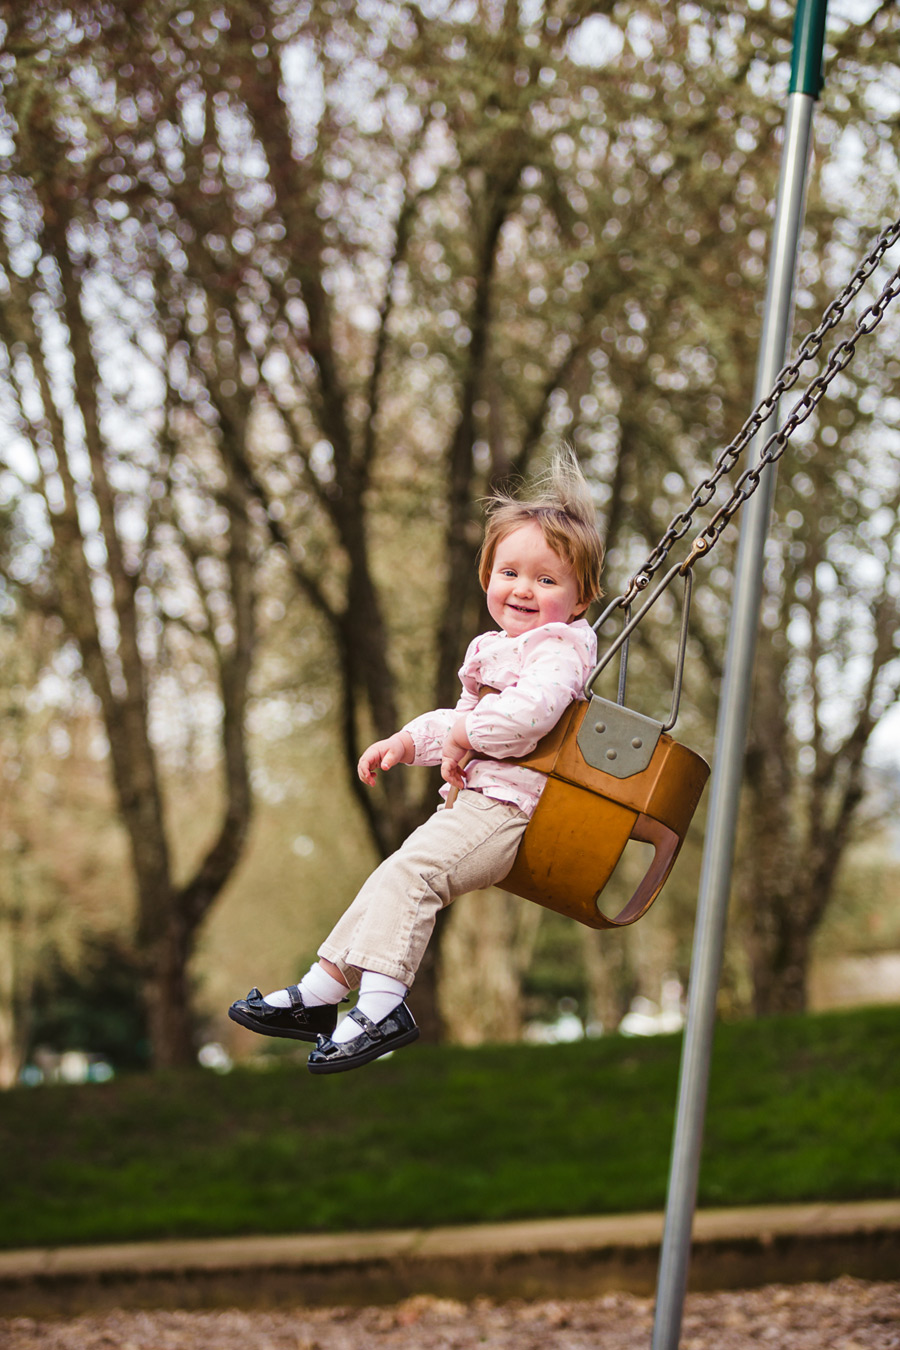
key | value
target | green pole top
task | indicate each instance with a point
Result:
(809, 40)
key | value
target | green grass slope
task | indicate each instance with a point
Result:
(802, 1108)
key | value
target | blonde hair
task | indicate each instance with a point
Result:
(561, 504)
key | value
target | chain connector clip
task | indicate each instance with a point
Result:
(700, 546)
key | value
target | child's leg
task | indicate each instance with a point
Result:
(389, 924)
(386, 930)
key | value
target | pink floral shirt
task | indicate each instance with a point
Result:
(537, 675)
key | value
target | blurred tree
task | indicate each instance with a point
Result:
(139, 536)
(381, 256)
(30, 919)
(829, 666)
(93, 1003)
(58, 863)
(428, 246)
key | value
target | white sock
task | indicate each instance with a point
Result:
(378, 996)
(316, 989)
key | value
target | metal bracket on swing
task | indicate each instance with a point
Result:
(616, 740)
(613, 738)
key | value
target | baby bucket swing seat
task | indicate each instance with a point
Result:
(586, 816)
(615, 775)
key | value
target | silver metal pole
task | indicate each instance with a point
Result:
(734, 709)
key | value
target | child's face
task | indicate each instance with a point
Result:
(530, 585)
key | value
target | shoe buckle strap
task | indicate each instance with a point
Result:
(365, 1022)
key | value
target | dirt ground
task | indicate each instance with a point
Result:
(844, 1315)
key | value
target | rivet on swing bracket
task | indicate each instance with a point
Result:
(616, 739)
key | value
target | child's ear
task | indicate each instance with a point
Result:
(580, 611)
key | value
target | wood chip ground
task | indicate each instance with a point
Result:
(843, 1315)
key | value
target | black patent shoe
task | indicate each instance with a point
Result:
(296, 1023)
(375, 1039)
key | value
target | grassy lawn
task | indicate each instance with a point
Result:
(803, 1108)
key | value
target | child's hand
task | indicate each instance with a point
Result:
(397, 749)
(452, 770)
(455, 754)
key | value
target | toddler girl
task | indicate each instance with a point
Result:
(540, 568)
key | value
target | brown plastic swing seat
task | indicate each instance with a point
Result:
(648, 790)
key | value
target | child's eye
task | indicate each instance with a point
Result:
(548, 581)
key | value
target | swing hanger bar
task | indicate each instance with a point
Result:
(774, 447)
(620, 642)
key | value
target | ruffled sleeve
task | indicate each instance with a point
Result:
(429, 729)
(556, 661)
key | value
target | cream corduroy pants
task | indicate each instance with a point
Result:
(389, 924)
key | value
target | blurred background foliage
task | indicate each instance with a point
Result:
(285, 288)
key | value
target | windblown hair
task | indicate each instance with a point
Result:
(560, 503)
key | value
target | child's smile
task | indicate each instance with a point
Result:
(530, 584)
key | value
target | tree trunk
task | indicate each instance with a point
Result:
(779, 971)
(798, 831)
(167, 995)
(611, 982)
(10, 1039)
(424, 996)
(486, 950)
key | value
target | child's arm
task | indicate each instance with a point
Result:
(557, 660)
(429, 731)
(397, 749)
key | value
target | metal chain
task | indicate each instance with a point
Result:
(775, 446)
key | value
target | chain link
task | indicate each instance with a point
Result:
(776, 444)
